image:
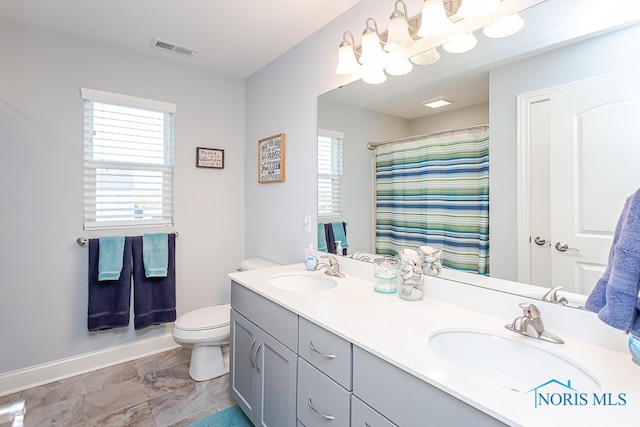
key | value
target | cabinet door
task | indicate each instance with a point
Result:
(277, 368)
(242, 372)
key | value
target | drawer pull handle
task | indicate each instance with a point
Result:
(250, 353)
(327, 355)
(325, 416)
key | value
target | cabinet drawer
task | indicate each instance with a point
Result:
(327, 397)
(332, 354)
(277, 321)
(364, 416)
(407, 400)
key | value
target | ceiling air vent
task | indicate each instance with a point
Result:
(162, 44)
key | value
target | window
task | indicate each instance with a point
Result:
(128, 161)
(329, 173)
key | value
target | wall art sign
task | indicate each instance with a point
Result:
(209, 158)
(271, 159)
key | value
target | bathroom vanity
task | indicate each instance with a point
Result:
(349, 356)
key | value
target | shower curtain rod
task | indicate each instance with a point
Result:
(84, 240)
(374, 145)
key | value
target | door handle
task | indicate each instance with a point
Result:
(250, 351)
(256, 357)
(541, 242)
(563, 247)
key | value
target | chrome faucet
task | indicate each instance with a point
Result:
(359, 255)
(332, 269)
(530, 324)
(552, 296)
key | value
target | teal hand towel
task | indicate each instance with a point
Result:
(110, 255)
(155, 254)
(322, 238)
(339, 234)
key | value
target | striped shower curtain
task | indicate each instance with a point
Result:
(435, 192)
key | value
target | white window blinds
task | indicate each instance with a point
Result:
(128, 161)
(329, 173)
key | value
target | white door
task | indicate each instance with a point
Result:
(594, 147)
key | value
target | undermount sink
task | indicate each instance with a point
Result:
(509, 362)
(301, 282)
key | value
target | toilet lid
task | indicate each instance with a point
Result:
(213, 317)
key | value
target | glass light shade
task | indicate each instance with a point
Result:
(472, 8)
(373, 75)
(398, 36)
(434, 19)
(461, 44)
(425, 58)
(372, 53)
(347, 62)
(398, 67)
(504, 27)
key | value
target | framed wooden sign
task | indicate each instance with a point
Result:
(271, 159)
(209, 158)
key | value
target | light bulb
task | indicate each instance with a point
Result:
(434, 19)
(504, 27)
(461, 44)
(426, 58)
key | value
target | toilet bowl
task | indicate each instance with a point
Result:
(206, 330)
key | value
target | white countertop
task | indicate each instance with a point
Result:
(398, 331)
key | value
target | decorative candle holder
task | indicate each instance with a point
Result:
(385, 270)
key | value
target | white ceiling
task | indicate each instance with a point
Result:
(232, 38)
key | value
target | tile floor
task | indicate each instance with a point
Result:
(154, 391)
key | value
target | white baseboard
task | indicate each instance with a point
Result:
(15, 381)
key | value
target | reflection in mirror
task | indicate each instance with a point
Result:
(507, 93)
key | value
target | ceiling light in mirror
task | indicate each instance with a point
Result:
(426, 58)
(373, 75)
(461, 44)
(438, 102)
(398, 36)
(504, 27)
(398, 66)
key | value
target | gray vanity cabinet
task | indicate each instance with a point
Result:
(407, 400)
(263, 370)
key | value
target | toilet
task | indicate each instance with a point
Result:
(206, 330)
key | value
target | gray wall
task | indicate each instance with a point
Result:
(607, 54)
(44, 272)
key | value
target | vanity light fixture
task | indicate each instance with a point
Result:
(398, 35)
(438, 102)
(402, 45)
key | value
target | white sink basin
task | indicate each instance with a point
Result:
(303, 282)
(510, 362)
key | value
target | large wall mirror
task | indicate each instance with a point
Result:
(492, 84)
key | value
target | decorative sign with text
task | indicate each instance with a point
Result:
(271, 159)
(209, 158)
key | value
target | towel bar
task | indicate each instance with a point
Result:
(84, 240)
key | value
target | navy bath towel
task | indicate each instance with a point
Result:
(108, 299)
(154, 297)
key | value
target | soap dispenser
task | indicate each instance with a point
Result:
(310, 260)
(339, 250)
